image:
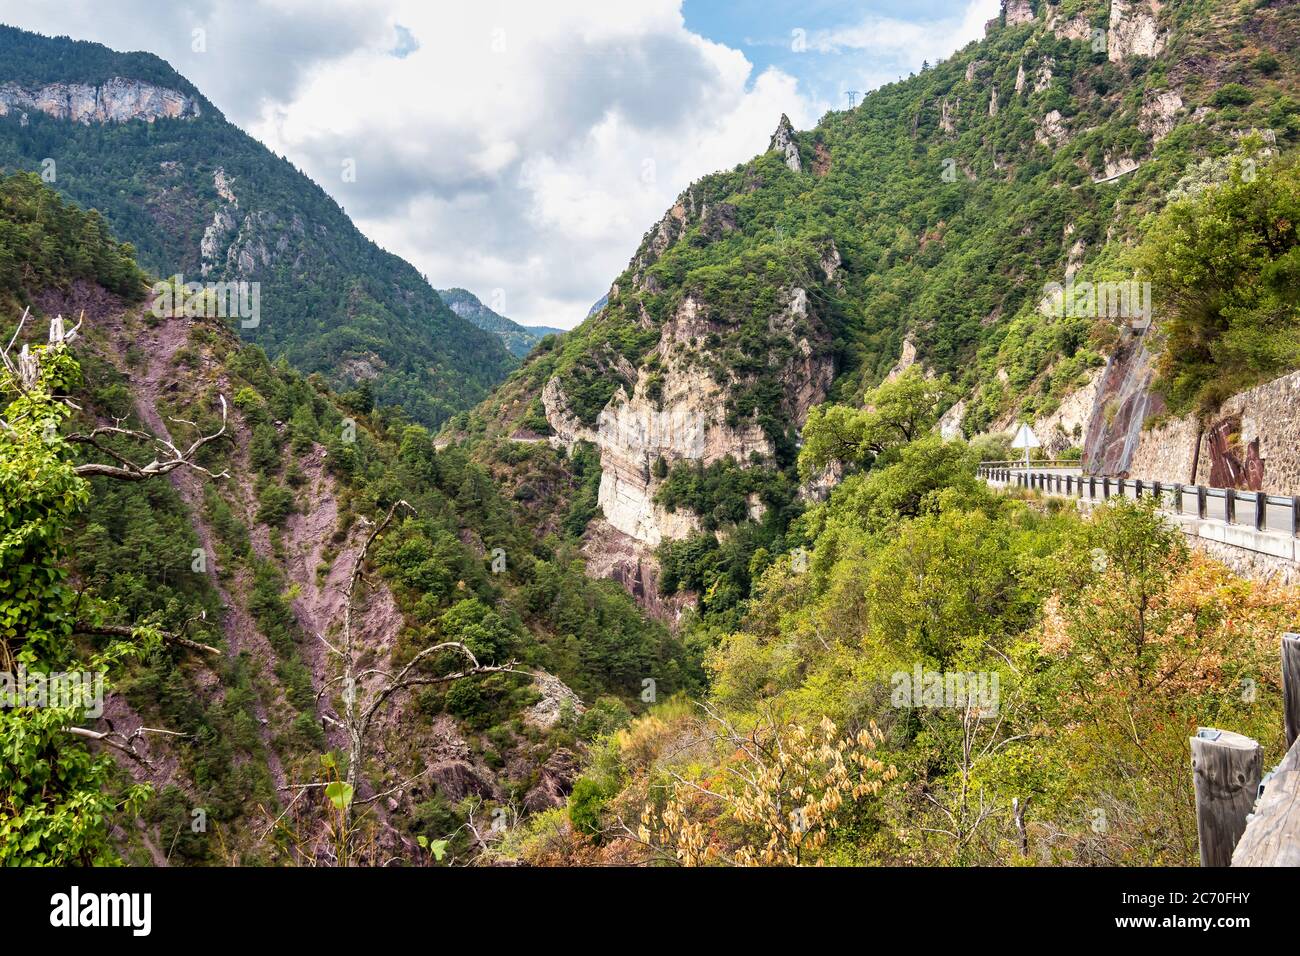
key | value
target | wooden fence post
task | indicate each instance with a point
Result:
(1226, 769)
(1291, 686)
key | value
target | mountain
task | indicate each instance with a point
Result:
(519, 339)
(246, 554)
(907, 667)
(849, 650)
(924, 227)
(129, 136)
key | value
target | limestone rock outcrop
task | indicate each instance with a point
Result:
(1017, 12)
(1159, 112)
(117, 100)
(1133, 30)
(677, 412)
(1051, 130)
(783, 142)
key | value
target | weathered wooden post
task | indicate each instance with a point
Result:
(1291, 686)
(1226, 769)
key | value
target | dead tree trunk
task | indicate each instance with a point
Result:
(1226, 769)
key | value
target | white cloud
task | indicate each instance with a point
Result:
(527, 147)
(506, 145)
(876, 50)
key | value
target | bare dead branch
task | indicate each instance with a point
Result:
(168, 456)
(116, 630)
(125, 743)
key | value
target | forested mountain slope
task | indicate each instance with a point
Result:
(127, 135)
(248, 551)
(923, 226)
(519, 339)
(760, 435)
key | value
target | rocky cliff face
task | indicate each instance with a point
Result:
(1123, 402)
(783, 142)
(1017, 12)
(1133, 30)
(115, 101)
(677, 412)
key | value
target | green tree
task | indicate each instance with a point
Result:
(1225, 272)
(895, 413)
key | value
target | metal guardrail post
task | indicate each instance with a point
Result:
(1295, 515)
(1137, 489)
(1261, 510)
(1121, 487)
(1178, 498)
(1229, 506)
(1202, 505)
(1105, 487)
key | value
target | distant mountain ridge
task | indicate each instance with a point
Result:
(519, 339)
(126, 134)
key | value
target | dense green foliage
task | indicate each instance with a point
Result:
(45, 243)
(54, 800)
(1225, 267)
(1089, 651)
(331, 300)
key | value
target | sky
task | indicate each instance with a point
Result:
(519, 148)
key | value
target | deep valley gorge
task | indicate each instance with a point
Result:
(754, 565)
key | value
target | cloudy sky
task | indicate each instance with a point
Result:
(519, 148)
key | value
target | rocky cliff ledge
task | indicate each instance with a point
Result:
(114, 101)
